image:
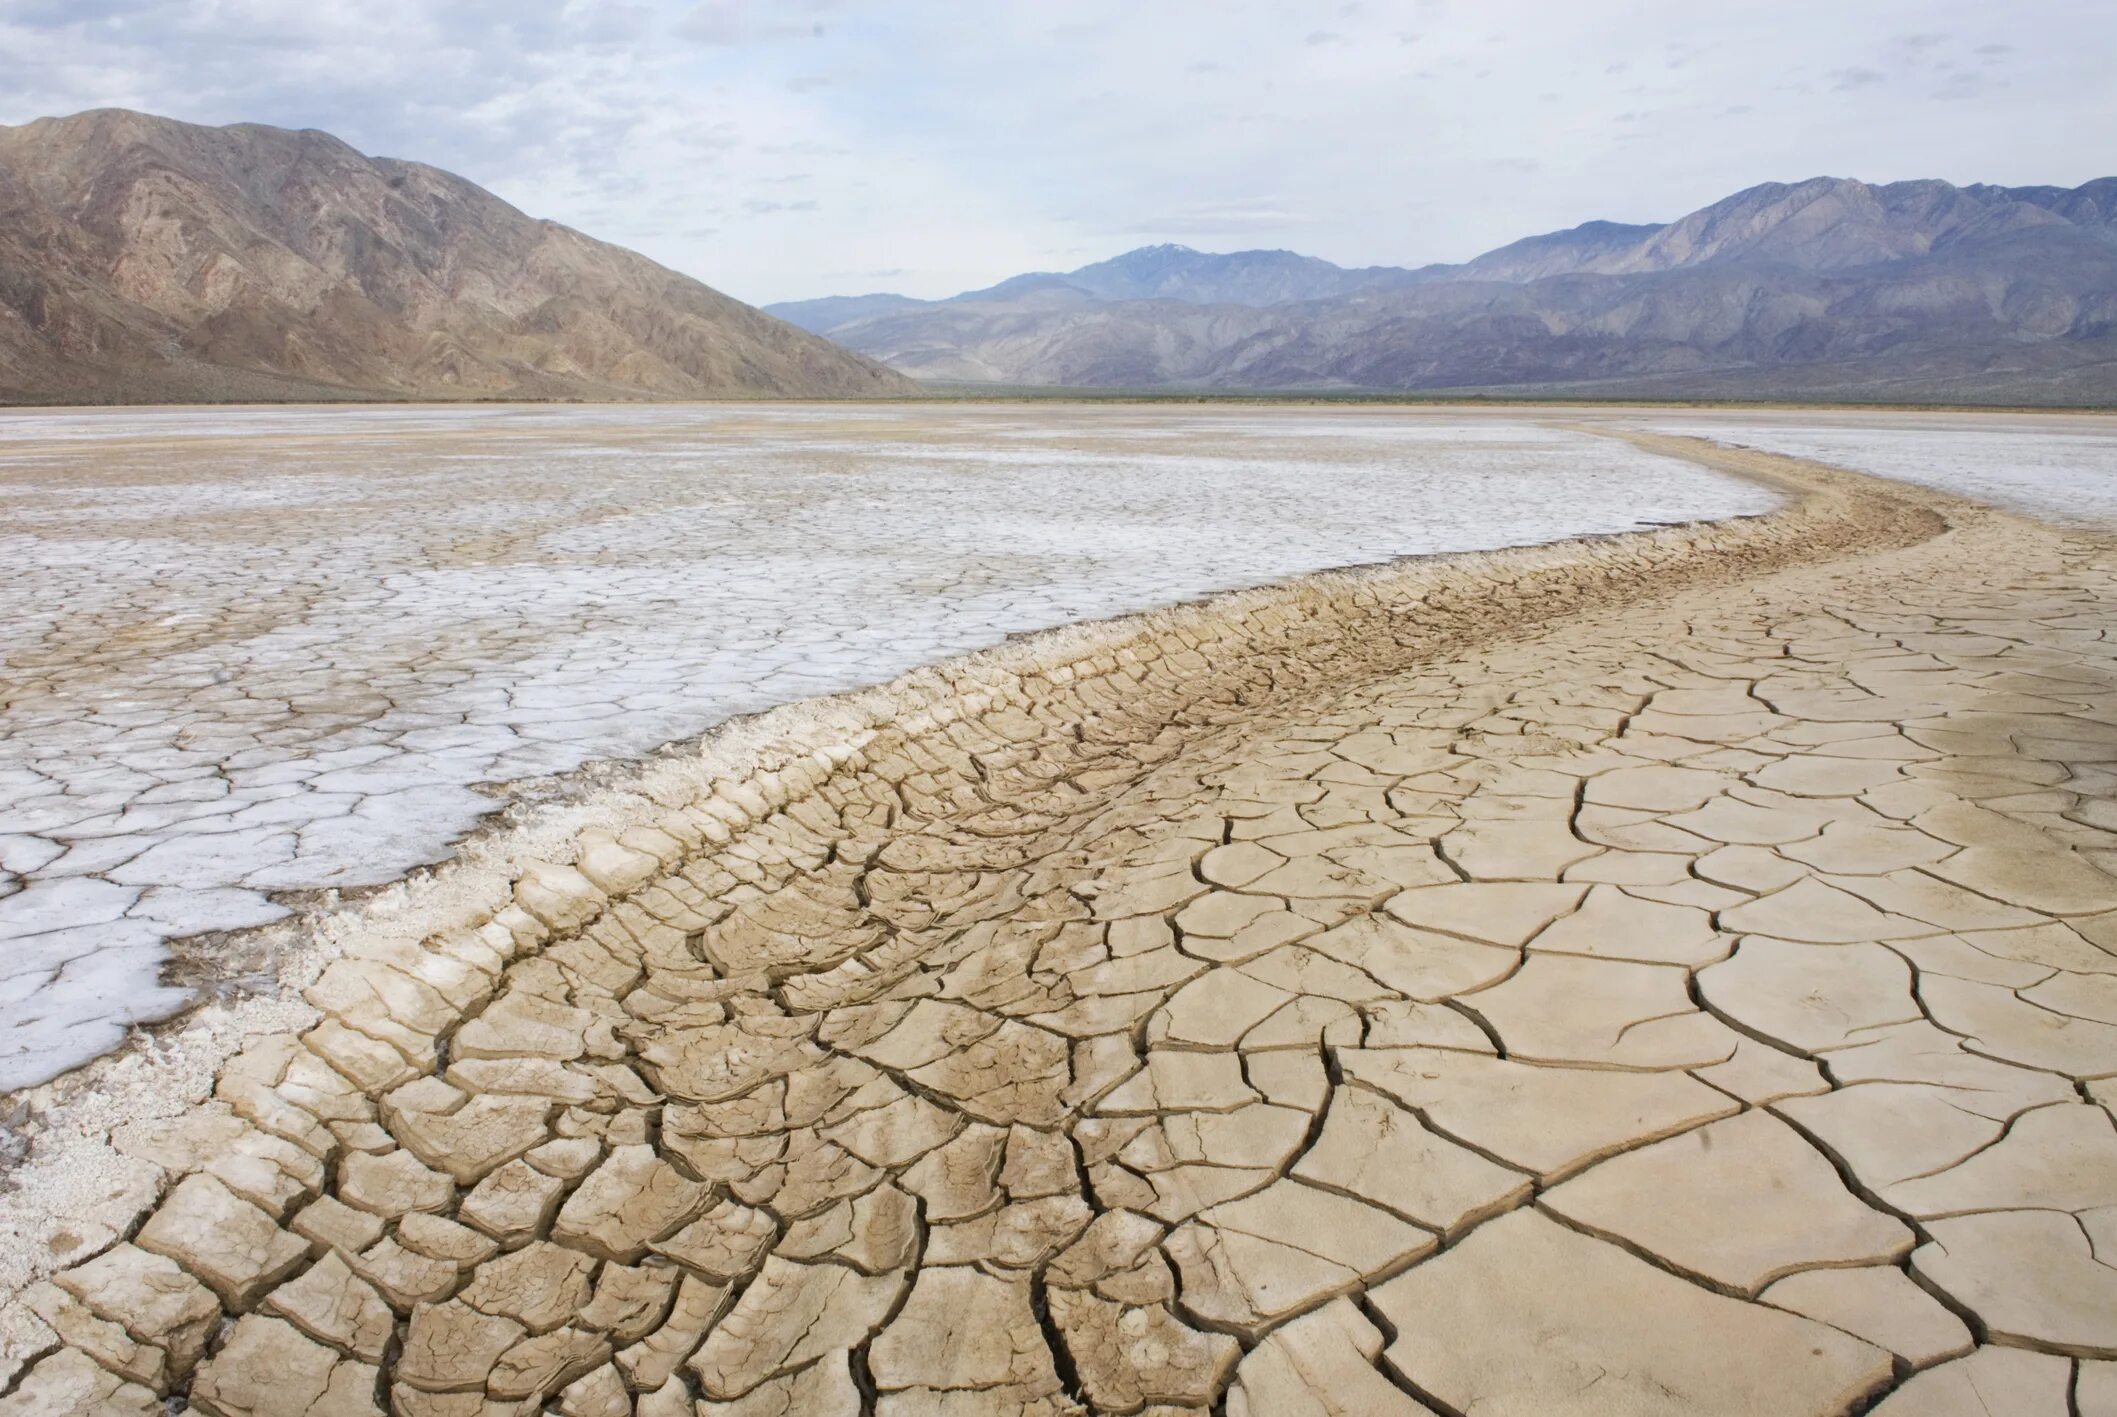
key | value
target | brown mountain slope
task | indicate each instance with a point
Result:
(142, 259)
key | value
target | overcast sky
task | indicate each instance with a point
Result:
(815, 147)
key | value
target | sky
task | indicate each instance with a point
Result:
(813, 147)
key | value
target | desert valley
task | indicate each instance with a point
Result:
(1208, 833)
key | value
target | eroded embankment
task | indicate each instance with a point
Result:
(799, 1068)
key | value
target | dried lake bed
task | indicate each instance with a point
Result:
(1691, 947)
(253, 654)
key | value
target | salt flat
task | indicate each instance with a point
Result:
(254, 652)
(2059, 468)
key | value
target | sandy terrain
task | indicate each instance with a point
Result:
(255, 655)
(1666, 974)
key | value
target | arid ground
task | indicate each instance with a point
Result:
(252, 656)
(1674, 972)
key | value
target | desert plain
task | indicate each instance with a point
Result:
(1643, 941)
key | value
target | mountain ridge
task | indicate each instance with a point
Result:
(144, 259)
(1167, 271)
(1919, 286)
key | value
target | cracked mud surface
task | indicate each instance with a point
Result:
(1668, 975)
(259, 652)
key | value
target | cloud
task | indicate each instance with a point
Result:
(733, 22)
(1215, 219)
(947, 146)
(1966, 84)
(74, 14)
(1856, 77)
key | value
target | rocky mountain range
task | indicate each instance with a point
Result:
(1167, 272)
(147, 260)
(1825, 288)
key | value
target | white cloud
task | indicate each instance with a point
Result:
(954, 145)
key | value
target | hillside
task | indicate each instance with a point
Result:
(1830, 286)
(147, 260)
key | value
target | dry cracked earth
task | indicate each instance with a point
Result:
(252, 657)
(1674, 975)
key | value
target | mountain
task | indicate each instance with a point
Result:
(1557, 252)
(1149, 273)
(1240, 278)
(147, 260)
(2092, 206)
(1824, 288)
(833, 311)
